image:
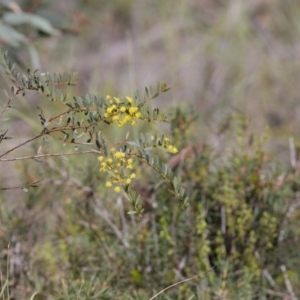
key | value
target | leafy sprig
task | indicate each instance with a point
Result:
(81, 124)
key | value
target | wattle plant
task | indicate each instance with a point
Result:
(78, 124)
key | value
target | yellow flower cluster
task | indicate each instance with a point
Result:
(122, 112)
(172, 149)
(112, 165)
(167, 145)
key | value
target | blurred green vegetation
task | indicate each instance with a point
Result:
(71, 237)
(234, 68)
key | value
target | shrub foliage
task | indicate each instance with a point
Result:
(71, 236)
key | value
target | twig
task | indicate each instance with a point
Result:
(7, 105)
(32, 184)
(287, 217)
(72, 142)
(274, 293)
(2, 136)
(288, 283)
(293, 159)
(102, 212)
(185, 280)
(22, 144)
(265, 271)
(269, 278)
(47, 155)
(123, 217)
(223, 219)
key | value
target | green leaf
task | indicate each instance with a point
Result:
(181, 192)
(27, 18)
(132, 143)
(11, 36)
(175, 183)
(33, 295)
(6, 93)
(98, 144)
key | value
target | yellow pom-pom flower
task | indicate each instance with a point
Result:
(129, 99)
(117, 189)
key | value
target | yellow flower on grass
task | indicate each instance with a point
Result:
(111, 109)
(138, 115)
(129, 163)
(122, 109)
(124, 120)
(129, 99)
(133, 110)
(100, 158)
(115, 118)
(117, 189)
(119, 154)
(172, 149)
(108, 184)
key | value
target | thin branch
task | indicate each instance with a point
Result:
(7, 105)
(287, 217)
(72, 127)
(76, 110)
(275, 293)
(22, 144)
(66, 141)
(32, 184)
(47, 155)
(288, 283)
(60, 115)
(293, 159)
(2, 136)
(103, 213)
(48, 131)
(185, 280)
